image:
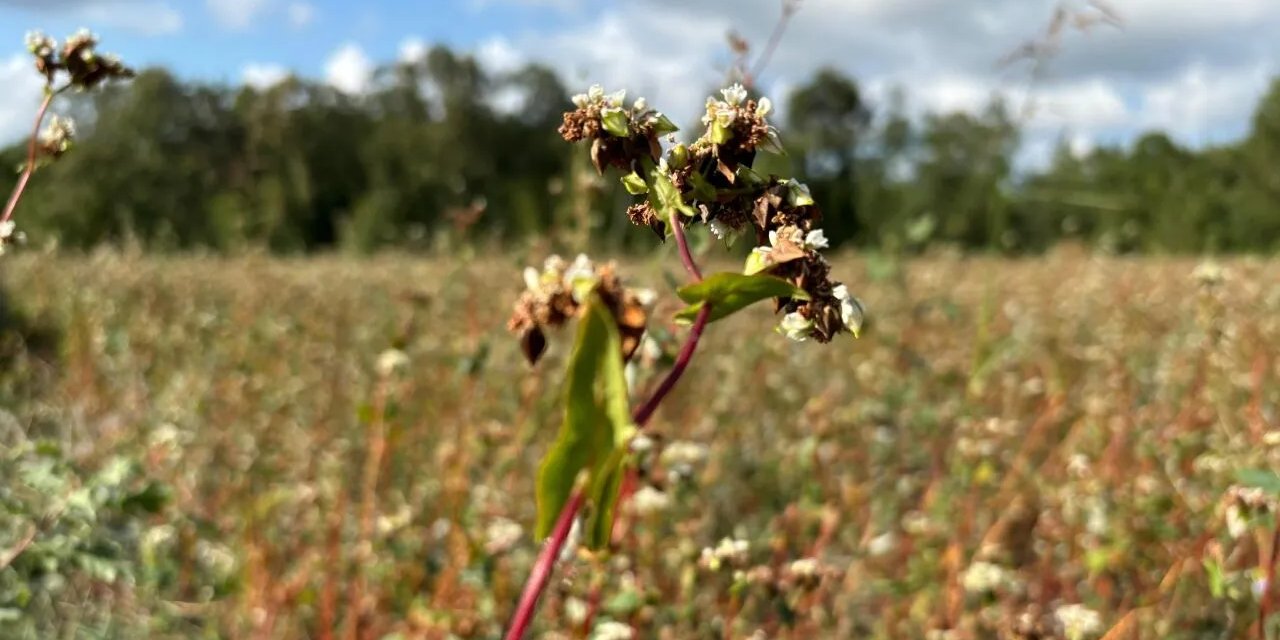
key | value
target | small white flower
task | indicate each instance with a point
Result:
(615, 99)
(734, 95)
(610, 630)
(641, 444)
(1259, 588)
(581, 100)
(851, 312)
(816, 239)
(983, 577)
(798, 193)
(6, 230)
(1078, 622)
(725, 116)
(595, 93)
(392, 361)
(805, 568)
(648, 500)
(719, 229)
(1237, 523)
(581, 277)
(501, 535)
(795, 326)
(554, 265)
(882, 544)
(575, 610)
(728, 552)
(532, 279)
(682, 452)
(764, 107)
(640, 105)
(645, 296)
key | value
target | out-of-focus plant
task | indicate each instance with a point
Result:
(73, 64)
(709, 182)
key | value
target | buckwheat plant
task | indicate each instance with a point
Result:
(76, 64)
(709, 182)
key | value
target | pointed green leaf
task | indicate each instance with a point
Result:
(634, 184)
(757, 261)
(1268, 481)
(664, 195)
(597, 423)
(662, 125)
(720, 134)
(615, 122)
(729, 293)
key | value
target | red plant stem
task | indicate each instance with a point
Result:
(540, 575)
(31, 158)
(1270, 587)
(682, 244)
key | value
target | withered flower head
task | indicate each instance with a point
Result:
(715, 184)
(77, 57)
(560, 292)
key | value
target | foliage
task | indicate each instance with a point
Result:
(1076, 422)
(441, 152)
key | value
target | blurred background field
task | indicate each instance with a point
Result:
(1008, 437)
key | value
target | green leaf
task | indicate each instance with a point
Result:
(603, 493)
(1268, 481)
(720, 134)
(729, 293)
(665, 197)
(596, 426)
(634, 184)
(615, 122)
(662, 125)
(702, 188)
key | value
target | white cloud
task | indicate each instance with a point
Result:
(236, 14)
(263, 76)
(499, 56)
(412, 49)
(301, 14)
(19, 100)
(1201, 104)
(349, 69)
(145, 18)
(142, 17)
(563, 5)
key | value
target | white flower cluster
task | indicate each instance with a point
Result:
(730, 552)
(648, 500)
(725, 111)
(984, 577)
(392, 361)
(580, 277)
(40, 45)
(610, 630)
(57, 135)
(1078, 621)
(9, 234)
(596, 96)
(501, 535)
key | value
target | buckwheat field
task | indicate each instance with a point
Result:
(1067, 447)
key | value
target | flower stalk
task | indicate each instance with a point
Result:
(544, 566)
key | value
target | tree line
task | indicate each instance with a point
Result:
(442, 152)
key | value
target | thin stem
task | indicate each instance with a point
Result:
(1269, 587)
(540, 575)
(789, 9)
(682, 243)
(31, 157)
(542, 568)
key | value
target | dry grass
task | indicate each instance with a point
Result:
(1073, 421)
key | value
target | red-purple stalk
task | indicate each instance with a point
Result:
(543, 567)
(31, 158)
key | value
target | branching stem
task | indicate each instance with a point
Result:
(543, 567)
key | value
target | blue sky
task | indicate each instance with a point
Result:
(1194, 68)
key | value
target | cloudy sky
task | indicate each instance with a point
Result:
(1192, 67)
